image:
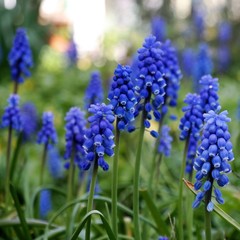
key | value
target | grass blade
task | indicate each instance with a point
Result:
(86, 218)
(20, 213)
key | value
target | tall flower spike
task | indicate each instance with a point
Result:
(192, 121)
(159, 28)
(165, 141)
(150, 82)
(72, 53)
(122, 96)
(202, 66)
(224, 32)
(99, 137)
(29, 120)
(11, 117)
(209, 93)
(224, 57)
(20, 57)
(191, 153)
(199, 22)
(54, 162)
(47, 134)
(163, 238)
(94, 91)
(213, 157)
(188, 59)
(172, 73)
(75, 130)
(45, 205)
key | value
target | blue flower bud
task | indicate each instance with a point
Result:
(197, 185)
(212, 150)
(223, 180)
(94, 91)
(218, 196)
(154, 133)
(216, 161)
(207, 185)
(48, 133)
(210, 206)
(206, 168)
(215, 174)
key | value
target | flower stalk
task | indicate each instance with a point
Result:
(137, 175)
(208, 197)
(115, 182)
(180, 197)
(8, 164)
(90, 197)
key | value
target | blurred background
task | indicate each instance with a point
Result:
(80, 36)
(71, 38)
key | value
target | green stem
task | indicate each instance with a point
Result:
(115, 182)
(159, 160)
(8, 165)
(180, 198)
(44, 157)
(208, 196)
(15, 156)
(137, 234)
(70, 191)
(91, 195)
(15, 87)
(155, 153)
(189, 211)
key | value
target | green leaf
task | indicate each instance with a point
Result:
(216, 208)
(86, 218)
(15, 156)
(20, 213)
(161, 225)
(30, 222)
(52, 233)
(37, 192)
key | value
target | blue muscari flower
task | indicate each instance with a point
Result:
(94, 91)
(192, 121)
(159, 28)
(20, 57)
(213, 157)
(224, 32)
(202, 66)
(172, 73)
(72, 53)
(47, 134)
(150, 84)
(165, 141)
(199, 23)
(134, 67)
(54, 162)
(75, 130)
(163, 238)
(29, 120)
(191, 153)
(209, 93)
(12, 117)
(188, 59)
(223, 58)
(99, 137)
(45, 205)
(122, 96)
(97, 189)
